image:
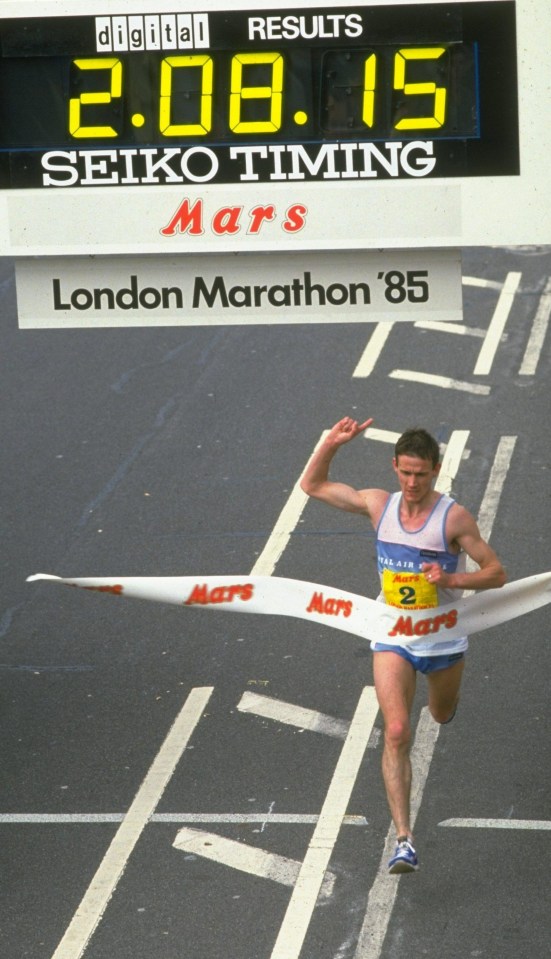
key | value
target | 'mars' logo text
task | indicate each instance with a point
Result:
(404, 625)
(203, 596)
(329, 607)
(190, 218)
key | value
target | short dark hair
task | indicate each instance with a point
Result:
(418, 442)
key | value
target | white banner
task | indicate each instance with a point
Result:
(365, 618)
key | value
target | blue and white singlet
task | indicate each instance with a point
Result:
(400, 556)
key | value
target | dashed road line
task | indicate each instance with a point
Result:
(249, 859)
(497, 325)
(451, 461)
(113, 864)
(497, 823)
(282, 531)
(444, 382)
(458, 328)
(93, 818)
(306, 890)
(496, 482)
(373, 350)
(479, 281)
(293, 715)
(384, 890)
(538, 333)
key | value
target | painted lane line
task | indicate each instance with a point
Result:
(293, 715)
(381, 436)
(94, 818)
(303, 900)
(104, 883)
(538, 333)
(497, 325)
(494, 487)
(286, 524)
(381, 333)
(451, 461)
(458, 328)
(479, 281)
(249, 859)
(373, 350)
(383, 892)
(445, 382)
(497, 823)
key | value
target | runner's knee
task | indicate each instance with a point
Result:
(397, 733)
(443, 715)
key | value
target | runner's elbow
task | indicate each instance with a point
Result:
(307, 487)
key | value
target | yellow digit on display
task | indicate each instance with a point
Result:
(273, 93)
(370, 82)
(76, 128)
(429, 88)
(168, 65)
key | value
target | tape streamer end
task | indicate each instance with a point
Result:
(31, 579)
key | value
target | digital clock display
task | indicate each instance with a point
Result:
(382, 91)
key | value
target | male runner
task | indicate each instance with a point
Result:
(423, 538)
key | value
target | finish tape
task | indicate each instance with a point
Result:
(365, 618)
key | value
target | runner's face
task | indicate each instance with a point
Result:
(415, 477)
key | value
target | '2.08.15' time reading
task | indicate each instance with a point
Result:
(374, 93)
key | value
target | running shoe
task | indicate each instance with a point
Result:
(404, 858)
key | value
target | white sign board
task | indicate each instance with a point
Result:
(235, 127)
(95, 292)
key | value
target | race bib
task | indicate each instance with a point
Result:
(409, 590)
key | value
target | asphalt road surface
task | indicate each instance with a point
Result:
(180, 784)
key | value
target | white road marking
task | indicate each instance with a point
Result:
(538, 333)
(381, 333)
(172, 817)
(105, 881)
(281, 533)
(497, 325)
(478, 281)
(293, 715)
(444, 382)
(303, 900)
(496, 482)
(454, 453)
(382, 436)
(373, 350)
(458, 328)
(497, 823)
(383, 892)
(250, 859)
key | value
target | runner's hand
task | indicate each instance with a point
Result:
(346, 429)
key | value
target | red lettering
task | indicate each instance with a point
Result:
(295, 218)
(316, 604)
(186, 219)
(226, 220)
(451, 619)
(200, 594)
(218, 595)
(258, 214)
(116, 590)
(402, 627)
(329, 607)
